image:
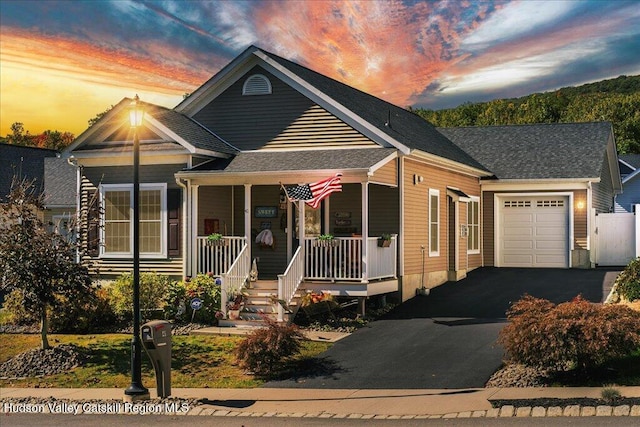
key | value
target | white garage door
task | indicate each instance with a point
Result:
(533, 231)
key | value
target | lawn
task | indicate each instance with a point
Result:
(197, 361)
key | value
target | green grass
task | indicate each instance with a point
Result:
(197, 361)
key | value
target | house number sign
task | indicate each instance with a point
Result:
(266, 212)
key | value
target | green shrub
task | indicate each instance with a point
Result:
(576, 334)
(178, 296)
(266, 349)
(90, 313)
(15, 312)
(153, 286)
(628, 282)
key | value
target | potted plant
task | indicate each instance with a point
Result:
(326, 240)
(216, 239)
(235, 303)
(384, 241)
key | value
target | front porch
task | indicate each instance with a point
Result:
(344, 266)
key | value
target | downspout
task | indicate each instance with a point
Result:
(185, 232)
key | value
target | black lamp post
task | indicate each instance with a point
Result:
(136, 390)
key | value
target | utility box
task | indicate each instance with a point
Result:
(156, 339)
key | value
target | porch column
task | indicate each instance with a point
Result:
(365, 230)
(247, 217)
(194, 231)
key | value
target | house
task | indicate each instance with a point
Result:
(60, 195)
(219, 162)
(629, 172)
(23, 163)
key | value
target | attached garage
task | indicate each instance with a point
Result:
(533, 231)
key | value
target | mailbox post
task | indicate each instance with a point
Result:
(156, 339)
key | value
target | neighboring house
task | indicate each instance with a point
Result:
(630, 173)
(217, 163)
(60, 195)
(22, 163)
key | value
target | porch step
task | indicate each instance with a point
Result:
(264, 284)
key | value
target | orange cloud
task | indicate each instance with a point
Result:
(388, 49)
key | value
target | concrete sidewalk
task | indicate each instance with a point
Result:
(388, 404)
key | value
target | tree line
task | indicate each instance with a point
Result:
(614, 100)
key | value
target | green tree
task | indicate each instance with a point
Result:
(39, 265)
(98, 116)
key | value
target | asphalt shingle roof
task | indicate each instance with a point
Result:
(22, 162)
(404, 126)
(632, 159)
(59, 182)
(540, 151)
(273, 161)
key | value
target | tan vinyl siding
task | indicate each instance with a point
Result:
(416, 214)
(580, 219)
(283, 119)
(603, 190)
(387, 174)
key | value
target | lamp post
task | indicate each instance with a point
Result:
(136, 390)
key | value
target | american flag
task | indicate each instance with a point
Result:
(314, 193)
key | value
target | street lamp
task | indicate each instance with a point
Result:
(136, 390)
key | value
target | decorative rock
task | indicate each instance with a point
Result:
(572, 411)
(507, 411)
(587, 411)
(538, 411)
(493, 412)
(635, 411)
(603, 411)
(621, 411)
(38, 362)
(465, 414)
(554, 411)
(523, 411)
(478, 414)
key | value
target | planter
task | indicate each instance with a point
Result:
(234, 314)
(326, 243)
(384, 243)
(221, 242)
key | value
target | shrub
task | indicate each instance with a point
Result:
(178, 296)
(89, 313)
(266, 349)
(628, 282)
(152, 289)
(576, 334)
(16, 313)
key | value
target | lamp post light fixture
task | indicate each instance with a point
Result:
(136, 391)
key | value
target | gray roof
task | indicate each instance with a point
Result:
(404, 126)
(59, 183)
(274, 161)
(190, 130)
(541, 151)
(23, 163)
(632, 159)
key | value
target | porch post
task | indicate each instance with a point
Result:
(301, 218)
(290, 231)
(247, 217)
(365, 230)
(194, 231)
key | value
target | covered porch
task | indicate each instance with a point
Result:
(288, 241)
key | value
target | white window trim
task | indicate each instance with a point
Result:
(434, 192)
(474, 199)
(163, 220)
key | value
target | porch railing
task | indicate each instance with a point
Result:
(217, 257)
(235, 278)
(289, 282)
(341, 259)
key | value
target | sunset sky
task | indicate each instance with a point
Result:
(62, 62)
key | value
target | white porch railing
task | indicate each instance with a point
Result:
(289, 282)
(236, 277)
(217, 259)
(341, 259)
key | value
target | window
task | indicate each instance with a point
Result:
(473, 225)
(117, 229)
(256, 84)
(434, 222)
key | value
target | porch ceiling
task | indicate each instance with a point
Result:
(272, 167)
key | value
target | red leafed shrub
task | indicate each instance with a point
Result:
(266, 349)
(576, 334)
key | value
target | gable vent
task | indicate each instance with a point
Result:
(256, 84)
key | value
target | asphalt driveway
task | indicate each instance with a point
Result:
(446, 339)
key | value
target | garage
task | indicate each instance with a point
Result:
(533, 231)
